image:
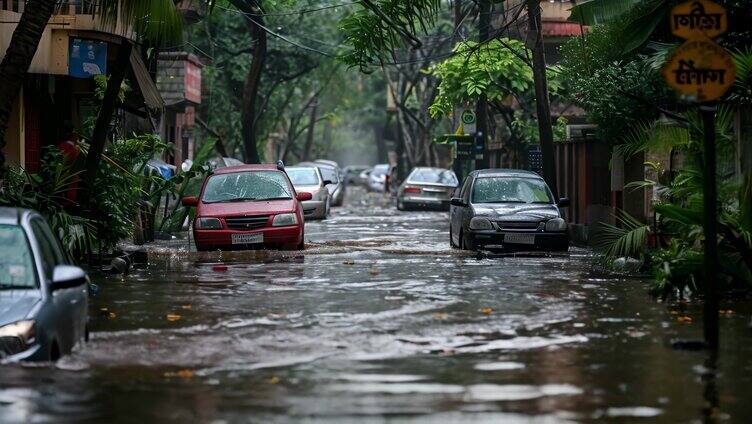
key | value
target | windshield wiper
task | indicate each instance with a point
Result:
(277, 198)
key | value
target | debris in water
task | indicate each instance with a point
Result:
(486, 311)
(173, 317)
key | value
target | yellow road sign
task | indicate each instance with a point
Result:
(697, 19)
(700, 70)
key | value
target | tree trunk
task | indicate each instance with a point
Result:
(481, 107)
(543, 107)
(104, 119)
(23, 45)
(379, 134)
(254, 14)
(308, 151)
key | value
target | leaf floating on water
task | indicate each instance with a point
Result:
(186, 306)
(112, 315)
(348, 263)
(441, 315)
(182, 374)
(173, 317)
(273, 380)
(374, 271)
(486, 311)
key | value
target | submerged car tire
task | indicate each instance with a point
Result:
(466, 243)
(451, 238)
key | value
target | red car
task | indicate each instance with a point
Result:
(248, 206)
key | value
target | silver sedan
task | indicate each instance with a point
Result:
(427, 188)
(309, 180)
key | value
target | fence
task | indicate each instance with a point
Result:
(584, 176)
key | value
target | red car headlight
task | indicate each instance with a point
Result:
(208, 224)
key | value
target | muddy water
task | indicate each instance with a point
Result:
(379, 321)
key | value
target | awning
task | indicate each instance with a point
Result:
(146, 85)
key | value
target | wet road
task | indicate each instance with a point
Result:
(379, 321)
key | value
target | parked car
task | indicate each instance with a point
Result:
(507, 209)
(310, 180)
(364, 176)
(331, 172)
(352, 174)
(377, 178)
(44, 299)
(248, 206)
(427, 188)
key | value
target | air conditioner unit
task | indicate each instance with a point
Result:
(582, 131)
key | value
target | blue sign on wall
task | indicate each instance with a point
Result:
(87, 58)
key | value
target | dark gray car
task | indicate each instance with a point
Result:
(507, 209)
(43, 298)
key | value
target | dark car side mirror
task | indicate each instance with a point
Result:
(67, 276)
(328, 182)
(564, 202)
(457, 201)
(190, 201)
(302, 197)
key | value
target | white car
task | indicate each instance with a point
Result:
(377, 179)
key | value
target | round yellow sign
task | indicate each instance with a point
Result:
(698, 19)
(700, 70)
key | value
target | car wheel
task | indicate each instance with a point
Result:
(466, 243)
(400, 206)
(54, 351)
(301, 245)
(451, 238)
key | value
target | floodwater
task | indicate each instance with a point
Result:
(380, 321)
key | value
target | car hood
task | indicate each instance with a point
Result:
(307, 188)
(15, 305)
(260, 207)
(516, 211)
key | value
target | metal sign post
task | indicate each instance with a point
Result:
(701, 71)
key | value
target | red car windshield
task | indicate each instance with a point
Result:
(247, 186)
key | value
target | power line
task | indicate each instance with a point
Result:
(276, 35)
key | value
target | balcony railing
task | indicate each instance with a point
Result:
(63, 7)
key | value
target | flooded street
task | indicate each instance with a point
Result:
(380, 321)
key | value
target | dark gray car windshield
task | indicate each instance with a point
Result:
(16, 263)
(247, 186)
(434, 176)
(510, 190)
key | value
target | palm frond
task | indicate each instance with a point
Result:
(157, 21)
(626, 240)
(595, 12)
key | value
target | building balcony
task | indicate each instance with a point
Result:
(69, 15)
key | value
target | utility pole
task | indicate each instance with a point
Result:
(710, 227)
(543, 107)
(481, 107)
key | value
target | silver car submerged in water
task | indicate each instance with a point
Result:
(43, 298)
(427, 188)
(307, 179)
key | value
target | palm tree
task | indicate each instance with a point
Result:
(150, 19)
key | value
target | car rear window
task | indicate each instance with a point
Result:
(16, 261)
(434, 176)
(247, 186)
(510, 190)
(303, 176)
(380, 169)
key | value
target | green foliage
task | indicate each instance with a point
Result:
(46, 192)
(494, 69)
(152, 20)
(624, 240)
(382, 26)
(119, 188)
